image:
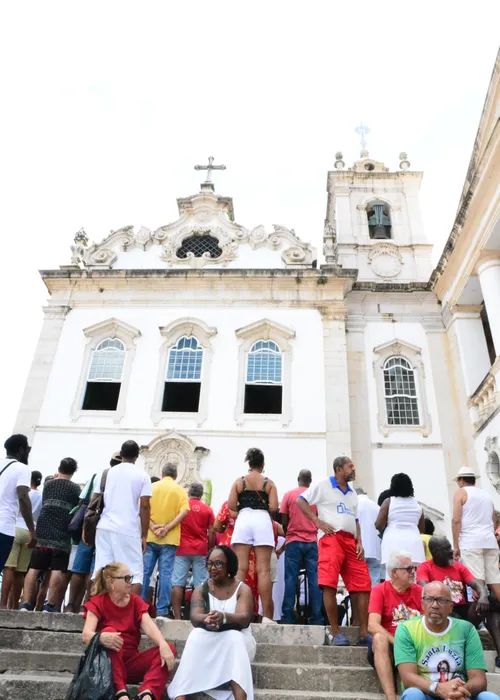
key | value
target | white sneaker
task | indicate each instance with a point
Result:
(268, 621)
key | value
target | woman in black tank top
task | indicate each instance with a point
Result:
(255, 497)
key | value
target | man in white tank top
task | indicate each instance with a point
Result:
(473, 528)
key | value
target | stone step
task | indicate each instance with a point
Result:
(54, 686)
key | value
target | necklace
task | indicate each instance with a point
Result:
(226, 591)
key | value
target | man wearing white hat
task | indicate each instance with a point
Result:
(473, 529)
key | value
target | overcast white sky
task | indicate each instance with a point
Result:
(106, 107)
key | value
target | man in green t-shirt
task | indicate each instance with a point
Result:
(440, 656)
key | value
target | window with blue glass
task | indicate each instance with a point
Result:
(183, 376)
(104, 379)
(263, 380)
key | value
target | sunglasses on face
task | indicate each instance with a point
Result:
(430, 600)
(128, 578)
(218, 564)
(409, 569)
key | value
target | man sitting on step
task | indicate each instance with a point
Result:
(438, 655)
(391, 602)
(340, 550)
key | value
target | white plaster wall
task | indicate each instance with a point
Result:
(377, 334)
(307, 369)
(137, 259)
(426, 470)
(285, 457)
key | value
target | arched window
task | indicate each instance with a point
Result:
(183, 376)
(379, 220)
(264, 378)
(105, 376)
(400, 392)
(200, 245)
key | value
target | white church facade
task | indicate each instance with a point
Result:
(204, 337)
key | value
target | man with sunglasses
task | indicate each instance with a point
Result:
(438, 655)
(391, 603)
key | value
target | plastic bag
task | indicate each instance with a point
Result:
(93, 679)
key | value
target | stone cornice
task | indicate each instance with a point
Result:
(391, 287)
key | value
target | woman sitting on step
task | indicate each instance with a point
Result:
(216, 658)
(121, 617)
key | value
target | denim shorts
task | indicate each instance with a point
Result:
(185, 563)
(84, 559)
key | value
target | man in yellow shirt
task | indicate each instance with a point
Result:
(169, 507)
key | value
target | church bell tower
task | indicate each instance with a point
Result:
(373, 221)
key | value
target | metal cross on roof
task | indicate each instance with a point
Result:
(362, 131)
(209, 169)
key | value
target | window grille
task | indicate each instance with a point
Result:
(185, 361)
(198, 245)
(265, 363)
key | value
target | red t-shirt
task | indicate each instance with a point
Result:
(126, 620)
(300, 528)
(194, 529)
(457, 577)
(395, 606)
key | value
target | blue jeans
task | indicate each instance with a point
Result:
(416, 694)
(374, 567)
(297, 553)
(164, 554)
(186, 562)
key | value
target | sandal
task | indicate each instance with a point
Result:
(122, 694)
(144, 694)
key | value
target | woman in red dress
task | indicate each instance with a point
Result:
(121, 617)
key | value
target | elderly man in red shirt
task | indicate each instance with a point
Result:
(391, 602)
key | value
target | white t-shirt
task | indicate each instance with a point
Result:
(17, 474)
(36, 507)
(335, 507)
(367, 514)
(125, 484)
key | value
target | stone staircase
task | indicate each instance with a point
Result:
(39, 653)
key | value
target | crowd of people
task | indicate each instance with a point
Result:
(417, 598)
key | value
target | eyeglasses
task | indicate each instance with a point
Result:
(218, 564)
(128, 578)
(429, 600)
(409, 569)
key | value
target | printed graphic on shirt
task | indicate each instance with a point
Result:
(402, 613)
(343, 509)
(442, 663)
(456, 590)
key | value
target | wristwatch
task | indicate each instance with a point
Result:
(433, 687)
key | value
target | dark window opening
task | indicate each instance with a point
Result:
(489, 338)
(181, 397)
(379, 221)
(101, 396)
(263, 398)
(198, 245)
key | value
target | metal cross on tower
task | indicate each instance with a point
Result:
(209, 169)
(362, 131)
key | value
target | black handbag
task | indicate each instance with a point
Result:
(75, 527)
(93, 513)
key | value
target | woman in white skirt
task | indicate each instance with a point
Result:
(401, 520)
(255, 497)
(218, 653)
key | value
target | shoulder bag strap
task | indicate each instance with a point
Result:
(204, 591)
(7, 466)
(104, 478)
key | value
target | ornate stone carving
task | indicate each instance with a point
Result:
(330, 250)
(179, 449)
(386, 260)
(201, 214)
(492, 448)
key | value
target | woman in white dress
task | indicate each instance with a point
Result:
(218, 653)
(401, 521)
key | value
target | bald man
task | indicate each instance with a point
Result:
(301, 551)
(438, 655)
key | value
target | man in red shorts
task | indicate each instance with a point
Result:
(340, 550)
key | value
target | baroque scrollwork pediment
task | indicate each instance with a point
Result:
(204, 214)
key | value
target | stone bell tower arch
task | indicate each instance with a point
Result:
(179, 449)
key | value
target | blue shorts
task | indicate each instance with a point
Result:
(183, 564)
(84, 559)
